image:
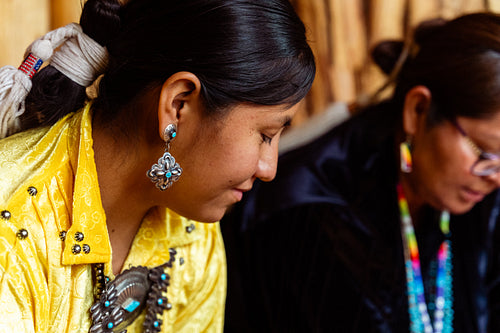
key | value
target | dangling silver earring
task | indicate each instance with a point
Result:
(166, 171)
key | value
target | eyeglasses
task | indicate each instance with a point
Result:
(487, 164)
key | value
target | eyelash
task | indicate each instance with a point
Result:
(266, 139)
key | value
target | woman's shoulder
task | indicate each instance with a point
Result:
(17, 162)
(36, 183)
(28, 156)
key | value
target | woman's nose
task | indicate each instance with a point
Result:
(268, 163)
(494, 178)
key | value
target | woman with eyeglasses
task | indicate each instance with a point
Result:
(388, 222)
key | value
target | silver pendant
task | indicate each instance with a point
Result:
(121, 302)
(165, 172)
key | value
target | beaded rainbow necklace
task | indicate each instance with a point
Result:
(441, 304)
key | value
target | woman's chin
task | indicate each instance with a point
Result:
(461, 207)
(207, 217)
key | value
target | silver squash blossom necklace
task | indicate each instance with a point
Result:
(119, 302)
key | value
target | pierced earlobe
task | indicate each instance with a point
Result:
(164, 173)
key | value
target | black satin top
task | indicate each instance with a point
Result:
(319, 249)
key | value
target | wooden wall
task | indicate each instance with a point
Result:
(22, 21)
(341, 33)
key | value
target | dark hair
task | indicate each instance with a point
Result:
(458, 60)
(53, 95)
(252, 51)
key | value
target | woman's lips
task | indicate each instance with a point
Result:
(239, 192)
(471, 195)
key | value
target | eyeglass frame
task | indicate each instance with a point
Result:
(482, 155)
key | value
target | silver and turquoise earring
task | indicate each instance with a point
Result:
(166, 171)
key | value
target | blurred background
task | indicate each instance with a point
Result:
(341, 33)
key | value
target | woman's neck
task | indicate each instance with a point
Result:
(415, 202)
(122, 194)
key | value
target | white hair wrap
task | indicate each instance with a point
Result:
(80, 58)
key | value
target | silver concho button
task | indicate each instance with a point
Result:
(5, 214)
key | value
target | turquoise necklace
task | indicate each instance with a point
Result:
(442, 300)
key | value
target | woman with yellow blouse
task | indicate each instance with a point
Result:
(99, 198)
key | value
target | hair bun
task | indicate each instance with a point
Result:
(427, 28)
(386, 54)
(53, 94)
(100, 20)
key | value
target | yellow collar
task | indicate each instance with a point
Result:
(88, 217)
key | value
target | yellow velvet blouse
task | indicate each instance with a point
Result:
(49, 193)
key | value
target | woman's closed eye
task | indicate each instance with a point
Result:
(266, 139)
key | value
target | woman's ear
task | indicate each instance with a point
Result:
(415, 109)
(179, 95)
